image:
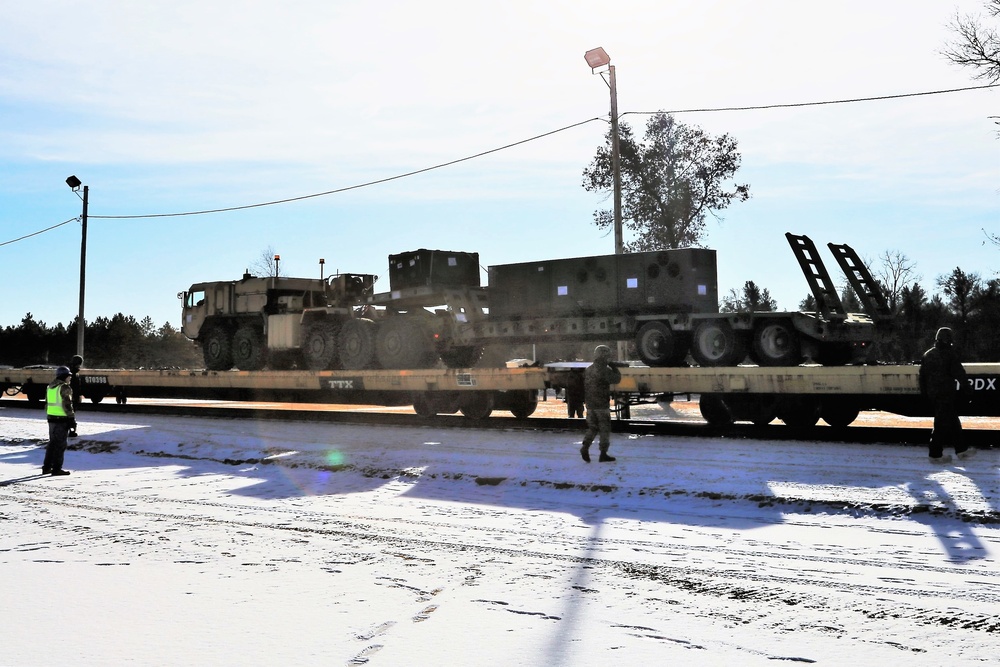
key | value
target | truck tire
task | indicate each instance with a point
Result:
(356, 344)
(319, 345)
(403, 342)
(658, 345)
(776, 343)
(249, 348)
(217, 350)
(716, 344)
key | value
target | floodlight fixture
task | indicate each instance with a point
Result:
(597, 58)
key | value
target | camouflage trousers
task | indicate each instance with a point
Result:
(598, 423)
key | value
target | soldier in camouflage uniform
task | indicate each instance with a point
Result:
(598, 379)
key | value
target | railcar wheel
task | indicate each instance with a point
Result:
(522, 404)
(477, 404)
(465, 356)
(403, 342)
(838, 414)
(424, 405)
(249, 349)
(217, 350)
(714, 409)
(319, 345)
(776, 344)
(658, 345)
(799, 411)
(357, 344)
(716, 344)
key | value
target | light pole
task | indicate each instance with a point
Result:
(599, 58)
(75, 183)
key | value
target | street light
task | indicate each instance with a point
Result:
(74, 183)
(599, 58)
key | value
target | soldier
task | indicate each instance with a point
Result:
(61, 418)
(598, 379)
(575, 394)
(943, 381)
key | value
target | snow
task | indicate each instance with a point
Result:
(232, 542)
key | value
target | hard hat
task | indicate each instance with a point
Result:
(944, 335)
(63, 372)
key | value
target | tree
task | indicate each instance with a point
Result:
(671, 182)
(895, 273)
(962, 290)
(267, 265)
(753, 300)
(976, 45)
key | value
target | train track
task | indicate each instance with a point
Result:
(903, 435)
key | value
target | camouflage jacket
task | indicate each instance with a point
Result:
(597, 380)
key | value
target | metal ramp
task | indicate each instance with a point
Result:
(827, 300)
(865, 286)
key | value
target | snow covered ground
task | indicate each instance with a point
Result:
(223, 542)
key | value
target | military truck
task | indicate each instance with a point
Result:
(275, 322)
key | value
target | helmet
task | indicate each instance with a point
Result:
(77, 360)
(944, 336)
(63, 372)
(602, 352)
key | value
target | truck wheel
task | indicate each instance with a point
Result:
(249, 349)
(477, 404)
(424, 405)
(217, 350)
(403, 342)
(465, 356)
(658, 345)
(776, 344)
(356, 343)
(319, 345)
(716, 344)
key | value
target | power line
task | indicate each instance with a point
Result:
(350, 187)
(511, 145)
(816, 104)
(41, 231)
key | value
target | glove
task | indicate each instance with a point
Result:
(72, 429)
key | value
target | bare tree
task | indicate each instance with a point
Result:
(976, 45)
(894, 274)
(267, 265)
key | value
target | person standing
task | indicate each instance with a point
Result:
(597, 380)
(575, 394)
(61, 418)
(74, 379)
(944, 382)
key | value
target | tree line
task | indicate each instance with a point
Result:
(117, 342)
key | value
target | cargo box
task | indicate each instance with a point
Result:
(430, 268)
(669, 281)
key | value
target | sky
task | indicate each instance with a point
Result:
(181, 107)
(187, 541)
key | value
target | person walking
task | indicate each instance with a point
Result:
(944, 383)
(597, 380)
(61, 418)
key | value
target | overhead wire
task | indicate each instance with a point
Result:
(505, 147)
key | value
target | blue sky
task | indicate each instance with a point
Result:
(187, 106)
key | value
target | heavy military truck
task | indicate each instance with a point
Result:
(276, 322)
(664, 302)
